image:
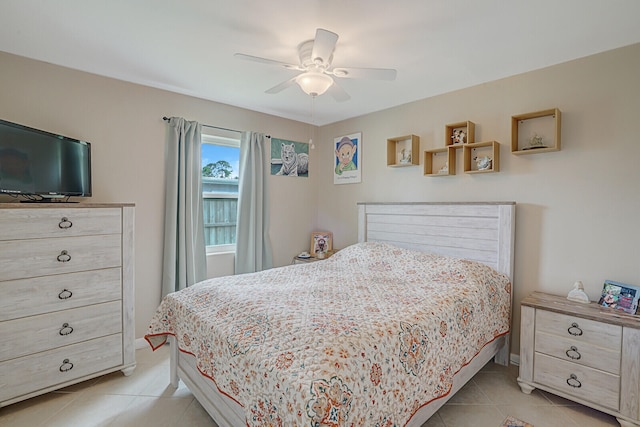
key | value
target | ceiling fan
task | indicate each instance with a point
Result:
(317, 73)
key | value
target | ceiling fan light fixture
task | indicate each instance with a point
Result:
(314, 83)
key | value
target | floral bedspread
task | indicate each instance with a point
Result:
(364, 338)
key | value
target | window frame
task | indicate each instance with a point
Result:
(228, 141)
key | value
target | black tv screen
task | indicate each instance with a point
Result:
(38, 163)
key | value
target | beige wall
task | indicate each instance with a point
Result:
(577, 209)
(124, 124)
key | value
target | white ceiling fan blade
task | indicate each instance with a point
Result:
(338, 93)
(323, 47)
(282, 86)
(365, 73)
(267, 61)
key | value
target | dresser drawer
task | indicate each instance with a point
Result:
(39, 295)
(583, 353)
(31, 373)
(579, 329)
(590, 384)
(47, 331)
(43, 257)
(17, 224)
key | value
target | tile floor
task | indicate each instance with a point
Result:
(146, 399)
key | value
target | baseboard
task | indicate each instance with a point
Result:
(514, 359)
(141, 343)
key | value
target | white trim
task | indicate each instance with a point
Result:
(515, 359)
(141, 343)
(220, 195)
(221, 249)
(220, 140)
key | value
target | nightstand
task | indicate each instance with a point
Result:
(582, 352)
(298, 260)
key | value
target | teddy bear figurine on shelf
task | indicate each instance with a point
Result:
(458, 136)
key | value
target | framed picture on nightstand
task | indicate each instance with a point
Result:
(620, 296)
(321, 241)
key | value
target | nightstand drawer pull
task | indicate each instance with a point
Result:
(65, 223)
(573, 381)
(573, 353)
(574, 330)
(65, 294)
(66, 366)
(66, 329)
(64, 257)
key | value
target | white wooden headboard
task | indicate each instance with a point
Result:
(479, 231)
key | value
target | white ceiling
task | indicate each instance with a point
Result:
(437, 46)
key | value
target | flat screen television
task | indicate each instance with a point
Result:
(42, 166)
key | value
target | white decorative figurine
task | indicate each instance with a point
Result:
(405, 156)
(578, 294)
(536, 141)
(445, 168)
(483, 163)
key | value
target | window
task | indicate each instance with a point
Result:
(220, 172)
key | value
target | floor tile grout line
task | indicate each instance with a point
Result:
(50, 416)
(482, 390)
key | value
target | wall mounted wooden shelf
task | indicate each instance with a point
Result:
(535, 133)
(479, 150)
(469, 129)
(440, 162)
(403, 151)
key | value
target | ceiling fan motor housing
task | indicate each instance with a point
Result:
(305, 51)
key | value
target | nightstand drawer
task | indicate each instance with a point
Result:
(579, 381)
(575, 351)
(39, 333)
(44, 257)
(579, 329)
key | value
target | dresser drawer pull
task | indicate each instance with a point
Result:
(64, 257)
(66, 366)
(65, 294)
(66, 329)
(573, 381)
(65, 223)
(575, 330)
(573, 353)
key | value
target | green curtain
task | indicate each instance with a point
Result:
(253, 246)
(184, 248)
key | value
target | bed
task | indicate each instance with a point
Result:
(383, 333)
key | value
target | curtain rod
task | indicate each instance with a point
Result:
(166, 119)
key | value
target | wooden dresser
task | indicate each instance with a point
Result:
(66, 295)
(582, 352)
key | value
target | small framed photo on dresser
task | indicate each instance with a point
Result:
(321, 241)
(620, 296)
